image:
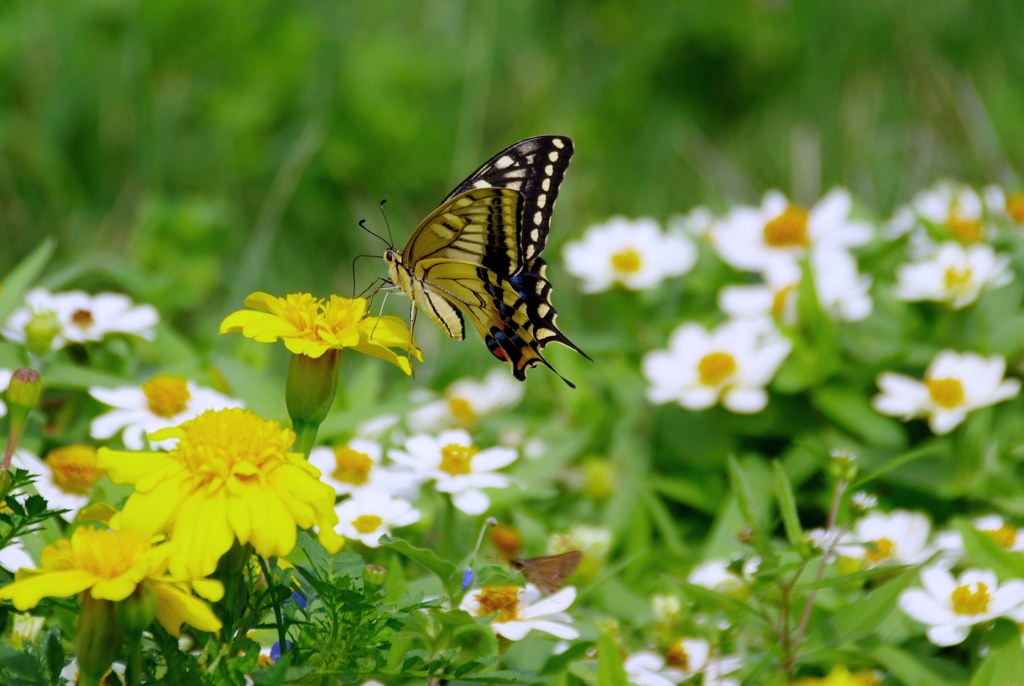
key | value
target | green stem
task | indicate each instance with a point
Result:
(134, 659)
(282, 630)
(447, 528)
(305, 437)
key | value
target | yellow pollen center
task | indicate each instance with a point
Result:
(501, 599)
(462, 411)
(353, 467)
(788, 230)
(882, 549)
(716, 368)
(957, 279)
(455, 459)
(677, 657)
(966, 230)
(107, 554)
(264, 661)
(74, 468)
(948, 393)
(167, 395)
(968, 602)
(1005, 535)
(233, 444)
(626, 261)
(1015, 207)
(367, 524)
(82, 319)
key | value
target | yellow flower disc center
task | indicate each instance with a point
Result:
(367, 523)
(948, 393)
(501, 599)
(967, 230)
(82, 319)
(353, 466)
(166, 395)
(233, 443)
(455, 458)
(957, 279)
(1015, 207)
(677, 657)
(107, 554)
(716, 368)
(74, 468)
(627, 261)
(882, 549)
(788, 230)
(462, 411)
(968, 602)
(1005, 535)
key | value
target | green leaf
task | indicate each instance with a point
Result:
(442, 569)
(745, 499)
(1004, 664)
(19, 279)
(854, 578)
(908, 668)
(504, 677)
(316, 554)
(681, 490)
(928, 450)
(859, 620)
(610, 671)
(987, 554)
(787, 505)
(851, 410)
(61, 375)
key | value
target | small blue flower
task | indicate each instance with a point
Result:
(275, 650)
(298, 597)
(467, 578)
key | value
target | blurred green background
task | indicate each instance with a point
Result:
(190, 152)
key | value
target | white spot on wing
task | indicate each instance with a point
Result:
(540, 284)
(529, 251)
(542, 199)
(504, 161)
(553, 156)
(545, 333)
(557, 142)
(481, 184)
(546, 184)
(549, 170)
(514, 185)
(543, 309)
(538, 218)
(535, 235)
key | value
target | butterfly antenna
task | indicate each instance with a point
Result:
(391, 241)
(362, 225)
(354, 259)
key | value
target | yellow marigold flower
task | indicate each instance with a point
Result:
(230, 476)
(110, 565)
(311, 326)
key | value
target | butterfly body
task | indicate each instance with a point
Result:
(550, 572)
(477, 256)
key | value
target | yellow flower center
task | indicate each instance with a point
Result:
(264, 661)
(503, 600)
(74, 468)
(957, 279)
(677, 656)
(107, 554)
(166, 395)
(948, 393)
(367, 523)
(82, 319)
(968, 602)
(1005, 535)
(716, 368)
(455, 458)
(341, 313)
(462, 411)
(626, 261)
(880, 549)
(967, 230)
(788, 230)
(1015, 207)
(218, 445)
(353, 466)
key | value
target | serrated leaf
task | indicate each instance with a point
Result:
(316, 554)
(610, 671)
(19, 279)
(787, 505)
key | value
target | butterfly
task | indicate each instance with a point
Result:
(548, 573)
(477, 256)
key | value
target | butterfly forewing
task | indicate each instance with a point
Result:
(535, 167)
(548, 573)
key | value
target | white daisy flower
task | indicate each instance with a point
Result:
(466, 401)
(368, 515)
(951, 543)
(752, 238)
(954, 385)
(1002, 204)
(692, 656)
(163, 401)
(15, 557)
(65, 478)
(81, 317)
(520, 610)
(898, 537)
(954, 275)
(950, 607)
(731, 365)
(864, 501)
(5, 381)
(698, 222)
(647, 668)
(356, 467)
(715, 574)
(456, 466)
(956, 207)
(634, 253)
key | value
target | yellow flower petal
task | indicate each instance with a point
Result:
(201, 535)
(27, 591)
(175, 607)
(210, 589)
(124, 467)
(156, 510)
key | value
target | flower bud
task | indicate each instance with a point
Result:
(136, 612)
(666, 608)
(40, 331)
(98, 638)
(843, 465)
(24, 389)
(374, 576)
(507, 540)
(309, 393)
(598, 478)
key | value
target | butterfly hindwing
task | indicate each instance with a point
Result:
(535, 167)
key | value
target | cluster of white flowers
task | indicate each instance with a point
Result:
(77, 317)
(466, 401)
(687, 658)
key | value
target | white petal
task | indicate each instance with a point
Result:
(471, 501)
(948, 635)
